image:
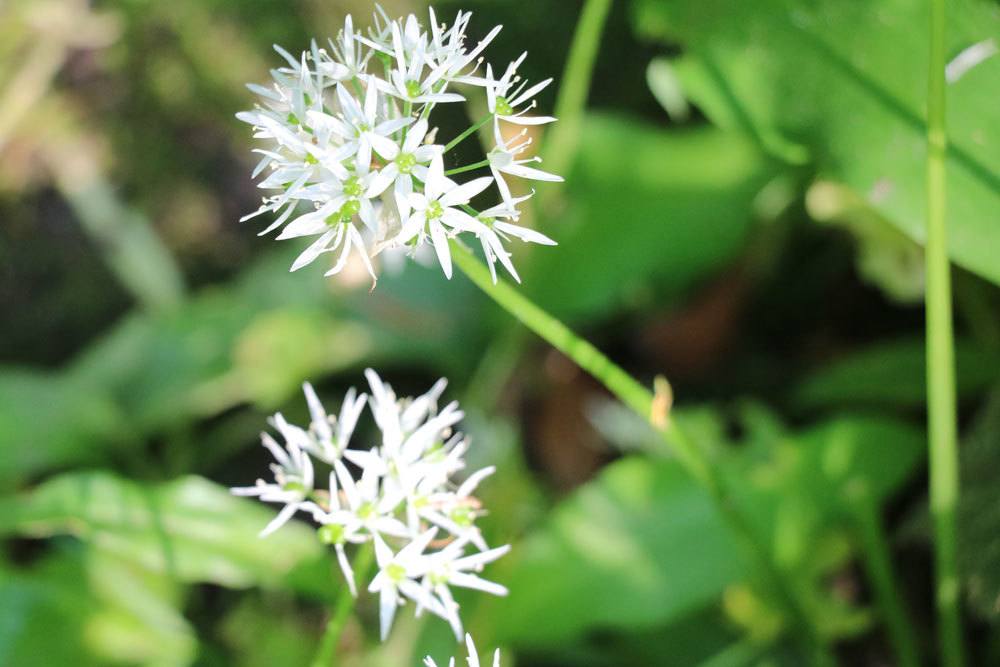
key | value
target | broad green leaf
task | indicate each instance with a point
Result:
(82, 607)
(54, 594)
(254, 341)
(137, 619)
(642, 544)
(50, 419)
(646, 209)
(191, 529)
(843, 84)
(893, 374)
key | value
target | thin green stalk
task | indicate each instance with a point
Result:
(342, 608)
(468, 167)
(878, 564)
(472, 130)
(561, 138)
(642, 401)
(942, 421)
(575, 85)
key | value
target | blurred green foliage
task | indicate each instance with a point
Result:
(146, 335)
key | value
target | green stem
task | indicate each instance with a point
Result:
(462, 137)
(575, 85)
(942, 422)
(343, 607)
(642, 401)
(468, 167)
(878, 564)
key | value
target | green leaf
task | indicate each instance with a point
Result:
(50, 419)
(190, 528)
(893, 374)
(53, 594)
(136, 619)
(84, 607)
(254, 341)
(844, 84)
(642, 545)
(646, 208)
(638, 546)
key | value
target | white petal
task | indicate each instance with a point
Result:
(440, 240)
(463, 193)
(284, 515)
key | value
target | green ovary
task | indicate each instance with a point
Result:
(434, 210)
(331, 534)
(406, 162)
(463, 516)
(503, 107)
(346, 213)
(366, 511)
(352, 188)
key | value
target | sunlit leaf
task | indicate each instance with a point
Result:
(190, 528)
(844, 85)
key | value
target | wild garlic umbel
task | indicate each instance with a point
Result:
(397, 495)
(351, 148)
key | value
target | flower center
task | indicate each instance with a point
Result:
(352, 188)
(294, 486)
(396, 572)
(350, 208)
(412, 88)
(331, 533)
(438, 578)
(434, 210)
(363, 127)
(500, 158)
(406, 162)
(462, 515)
(366, 511)
(503, 107)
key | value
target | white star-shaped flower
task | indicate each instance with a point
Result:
(327, 445)
(397, 577)
(506, 94)
(293, 474)
(437, 207)
(404, 163)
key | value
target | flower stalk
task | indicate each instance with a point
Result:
(941, 401)
(644, 403)
(342, 608)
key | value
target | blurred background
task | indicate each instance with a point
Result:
(743, 214)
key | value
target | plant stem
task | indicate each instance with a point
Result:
(642, 401)
(342, 608)
(575, 84)
(462, 137)
(878, 563)
(468, 167)
(942, 422)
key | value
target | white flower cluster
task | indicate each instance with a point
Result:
(350, 144)
(423, 527)
(472, 659)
